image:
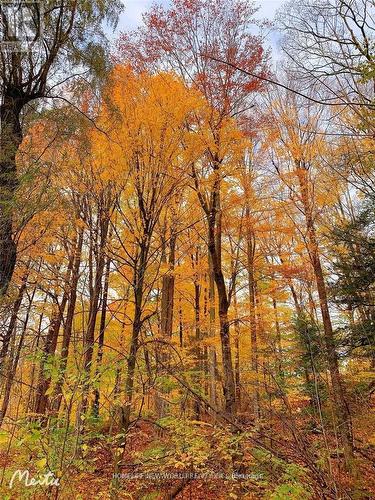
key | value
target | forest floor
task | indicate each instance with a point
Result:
(145, 474)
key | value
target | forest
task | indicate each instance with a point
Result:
(187, 250)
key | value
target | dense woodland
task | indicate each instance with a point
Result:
(187, 253)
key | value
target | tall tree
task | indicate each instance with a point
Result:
(189, 38)
(66, 34)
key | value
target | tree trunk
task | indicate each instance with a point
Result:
(10, 140)
(67, 330)
(212, 210)
(237, 350)
(214, 247)
(14, 363)
(250, 254)
(167, 293)
(99, 358)
(49, 349)
(167, 307)
(278, 350)
(13, 320)
(44, 380)
(139, 274)
(95, 293)
(212, 359)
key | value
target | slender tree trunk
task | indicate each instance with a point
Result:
(14, 363)
(250, 254)
(95, 293)
(13, 319)
(31, 396)
(44, 379)
(49, 349)
(212, 210)
(68, 326)
(237, 350)
(214, 247)
(279, 351)
(167, 308)
(198, 338)
(167, 293)
(99, 358)
(180, 323)
(212, 359)
(139, 274)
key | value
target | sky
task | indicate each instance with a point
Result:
(132, 15)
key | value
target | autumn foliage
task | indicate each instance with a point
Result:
(192, 307)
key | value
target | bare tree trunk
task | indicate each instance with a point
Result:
(67, 330)
(212, 210)
(237, 350)
(44, 379)
(167, 293)
(13, 319)
(14, 363)
(279, 351)
(250, 254)
(49, 349)
(99, 358)
(139, 274)
(212, 360)
(167, 307)
(95, 293)
(214, 247)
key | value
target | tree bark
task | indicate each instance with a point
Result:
(14, 362)
(13, 320)
(10, 140)
(44, 380)
(212, 210)
(167, 308)
(95, 293)
(68, 326)
(138, 281)
(250, 254)
(99, 358)
(228, 372)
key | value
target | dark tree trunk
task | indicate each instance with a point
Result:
(95, 293)
(67, 330)
(44, 380)
(237, 350)
(10, 140)
(214, 247)
(139, 275)
(167, 308)
(250, 254)
(13, 319)
(212, 359)
(14, 362)
(212, 210)
(167, 293)
(99, 358)
(49, 349)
